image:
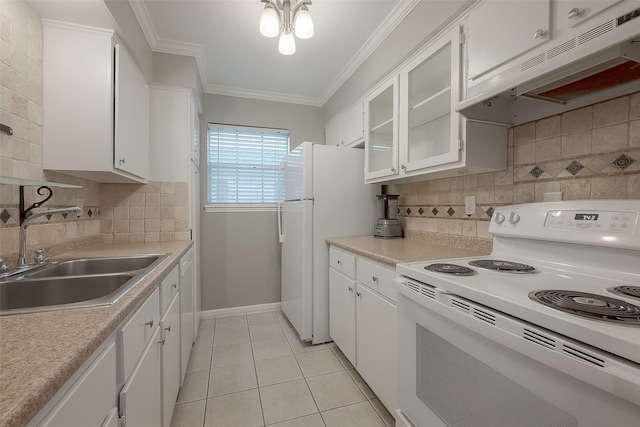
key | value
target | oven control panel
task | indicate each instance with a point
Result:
(614, 223)
(596, 221)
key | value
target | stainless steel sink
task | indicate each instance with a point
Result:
(91, 266)
(74, 283)
(20, 294)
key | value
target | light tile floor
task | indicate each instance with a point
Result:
(253, 370)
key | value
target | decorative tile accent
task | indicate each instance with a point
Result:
(4, 216)
(408, 211)
(434, 211)
(574, 167)
(48, 216)
(623, 162)
(64, 215)
(90, 213)
(489, 212)
(397, 210)
(450, 211)
(536, 172)
(420, 211)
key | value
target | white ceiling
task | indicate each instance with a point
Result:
(235, 59)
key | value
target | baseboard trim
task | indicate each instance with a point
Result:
(234, 311)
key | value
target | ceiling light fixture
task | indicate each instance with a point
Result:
(279, 17)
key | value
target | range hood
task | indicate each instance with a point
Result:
(592, 78)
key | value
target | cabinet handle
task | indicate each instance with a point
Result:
(168, 328)
(150, 323)
(339, 262)
(539, 33)
(573, 13)
(161, 341)
(122, 161)
(350, 289)
(358, 293)
(393, 170)
(374, 278)
(175, 285)
(403, 167)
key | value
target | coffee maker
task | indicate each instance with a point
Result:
(387, 226)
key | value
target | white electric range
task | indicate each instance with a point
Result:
(544, 331)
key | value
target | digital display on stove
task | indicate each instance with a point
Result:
(586, 217)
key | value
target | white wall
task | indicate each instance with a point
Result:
(240, 255)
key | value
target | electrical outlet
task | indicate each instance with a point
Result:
(470, 205)
(555, 196)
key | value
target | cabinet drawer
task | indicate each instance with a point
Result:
(343, 262)
(135, 334)
(168, 288)
(377, 277)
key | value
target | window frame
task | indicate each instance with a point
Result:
(239, 207)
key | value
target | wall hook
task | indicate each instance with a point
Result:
(6, 129)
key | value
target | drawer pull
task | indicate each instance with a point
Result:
(375, 279)
(175, 285)
(161, 341)
(150, 323)
(358, 294)
(350, 289)
(168, 328)
(339, 262)
(573, 13)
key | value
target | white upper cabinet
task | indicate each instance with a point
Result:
(381, 124)
(421, 136)
(352, 125)
(96, 106)
(348, 130)
(499, 31)
(131, 117)
(429, 89)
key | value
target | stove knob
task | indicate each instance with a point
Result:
(514, 217)
(499, 217)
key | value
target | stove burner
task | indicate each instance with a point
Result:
(590, 306)
(497, 265)
(457, 270)
(628, 291)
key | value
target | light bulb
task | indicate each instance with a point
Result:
(269, 22)
(303, 24)
(287, 44)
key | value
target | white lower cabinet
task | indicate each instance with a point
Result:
(377, 345)
(362, 322)
(140, 399)
(342, 313)
(91, 398)
(170, 328)
(133, 379)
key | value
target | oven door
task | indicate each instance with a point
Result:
(457, 369)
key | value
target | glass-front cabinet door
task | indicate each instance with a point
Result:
(430, 89)
(381, 131)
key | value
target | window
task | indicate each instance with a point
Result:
(243, 167)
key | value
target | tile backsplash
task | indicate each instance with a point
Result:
(587, 153)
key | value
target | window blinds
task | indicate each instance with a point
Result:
(243, 164)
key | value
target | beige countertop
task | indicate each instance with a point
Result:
(39, 352)
(416, 247)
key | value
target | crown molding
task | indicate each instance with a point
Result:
(402, 9)
(262, 95)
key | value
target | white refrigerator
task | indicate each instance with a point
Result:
(324, 195)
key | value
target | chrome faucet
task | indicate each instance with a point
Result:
(22, 257)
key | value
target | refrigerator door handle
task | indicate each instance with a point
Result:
(280, 235)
